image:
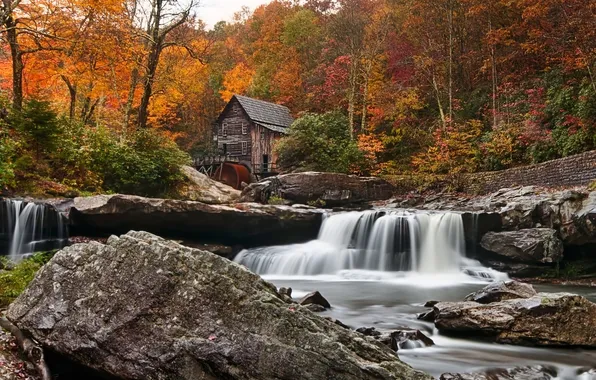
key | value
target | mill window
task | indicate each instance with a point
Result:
(244, 148)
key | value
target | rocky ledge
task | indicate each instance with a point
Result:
(140, 307)
(514, 313)
(242, 223)
(325, 189)
(572, 213)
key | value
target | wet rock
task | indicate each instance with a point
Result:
(285, 292)
(502, 290)
(226, 251)
(315, 308)
(517, 270)
(201, 188)
(428, 316)
(368, 331)
(327, 189)
(430, 303)
(534, 245)
(338, 322)
(537, 372)
(315, 298)
(546, 319)
(586, 374)
(140, 307)
(243, 223)
(403, 340)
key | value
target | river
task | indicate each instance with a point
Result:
(379, 269)
(390, 304)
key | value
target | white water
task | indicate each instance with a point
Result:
(30, 226)
(376, 245)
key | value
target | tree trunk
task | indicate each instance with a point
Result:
(17, 62)
(352, 94)
(365, 96)
(494, 78)
(438, 97)
(72, 90)
(450, 18)
(148, 85)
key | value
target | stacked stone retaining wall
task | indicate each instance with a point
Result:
(577, 170)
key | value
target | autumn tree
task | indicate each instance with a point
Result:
(162, 18)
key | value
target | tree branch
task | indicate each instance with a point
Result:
(29, 348)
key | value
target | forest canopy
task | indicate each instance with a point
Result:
(434, 86)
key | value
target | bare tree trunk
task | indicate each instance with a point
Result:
(450, 17)
(439, 103)
(17, 62)
(352, 95)
(494, 78)
(72, 90)
(365, 96)
(148, 86)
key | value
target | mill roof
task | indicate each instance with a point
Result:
(269, 115)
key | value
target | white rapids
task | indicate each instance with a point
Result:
(376, 245)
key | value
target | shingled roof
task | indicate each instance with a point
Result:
(269, 115)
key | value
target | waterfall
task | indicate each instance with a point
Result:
(381, 241)
(28, 227)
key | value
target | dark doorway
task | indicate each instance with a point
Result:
(265, 163)
(225, 149)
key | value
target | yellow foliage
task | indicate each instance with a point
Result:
(236, 81)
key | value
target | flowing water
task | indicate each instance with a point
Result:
(28, 227)
(378, 268)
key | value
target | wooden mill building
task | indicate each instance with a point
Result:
(247, 130)
(245, 134)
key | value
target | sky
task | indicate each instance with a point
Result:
(212, 11)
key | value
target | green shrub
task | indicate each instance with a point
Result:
(38, 123)
(8, 148)
(14, 281)
(276, 200)
(147, 163)
(97, 159)
(319, 142)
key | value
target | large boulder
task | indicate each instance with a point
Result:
(200, 187)
(329, 189)
(502, 290)
(247, 224)
(533, 245)
(140, 307)
(545, 319)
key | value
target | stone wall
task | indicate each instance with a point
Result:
(576, 170)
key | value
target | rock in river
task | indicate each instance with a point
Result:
(500, 291)
(330, 189)
(315, 298)
(532, 245)
(243, 223)
(140, 307)
(544, 319)
(536, 372)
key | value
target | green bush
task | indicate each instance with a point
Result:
(7, 154)
(39, 125)
(147, 163)
(14, 281)
(319, 142)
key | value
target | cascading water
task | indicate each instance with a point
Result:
(379, 241)
(28, 227)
